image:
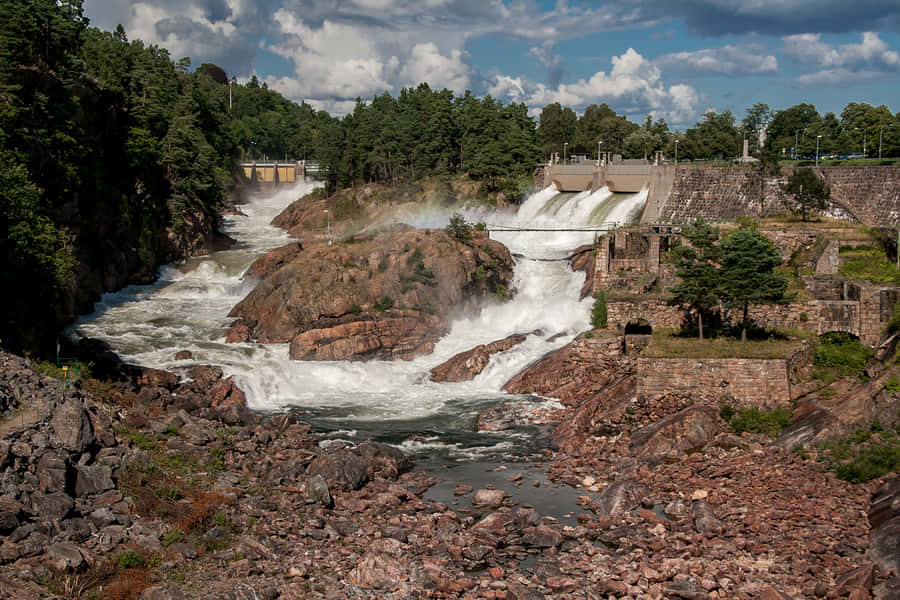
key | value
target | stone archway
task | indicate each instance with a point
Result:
(638, 327)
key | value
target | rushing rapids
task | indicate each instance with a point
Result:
(393, 401)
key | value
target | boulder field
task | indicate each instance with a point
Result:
(385, 296)
(165, 489)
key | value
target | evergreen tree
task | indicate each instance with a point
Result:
(697, 267)
(747, 275)
(807, 192)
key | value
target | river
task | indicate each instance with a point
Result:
(394, 402)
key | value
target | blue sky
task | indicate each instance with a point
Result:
(673, 59)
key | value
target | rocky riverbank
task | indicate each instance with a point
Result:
(160, 489)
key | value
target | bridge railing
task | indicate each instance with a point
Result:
(601, 227)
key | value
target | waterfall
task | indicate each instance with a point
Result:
(187, 310)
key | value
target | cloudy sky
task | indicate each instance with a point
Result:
(670, 58)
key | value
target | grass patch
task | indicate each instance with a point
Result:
(864, 455)
(667, 344)
(754, 420)
(839, 355)
(599, 312)
(383, 303)
(892, 385)
(868, 263)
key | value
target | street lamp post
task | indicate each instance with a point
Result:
(676, 152)
(599, 143)
(328, 234)
(818, 137)
(565, 146)
(252, 151)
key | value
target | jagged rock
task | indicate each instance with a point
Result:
(705, 520)
(342, 469)
(686, 431)
(72, 426)
(53, 507)
(489, 498)
(466, 365)
(317, 490)
(64, 557)
(330, 303)
(184, 355)
(500, 418)
(541, 536)
(383, 460)
(382, 566)
(93, 479)
(274, 260)
(166, 591)
(574, 373)
(686, 590)
(52, 472)
(622, 496)
(884, 518)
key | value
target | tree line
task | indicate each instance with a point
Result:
(115, 157)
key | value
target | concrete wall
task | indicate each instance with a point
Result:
(749, 382)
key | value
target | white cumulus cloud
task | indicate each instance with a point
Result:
(726, 60)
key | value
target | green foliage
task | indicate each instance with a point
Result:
(754, 420)
(748, 273)
(168, 492)
(416, 271)
(383, 303)
(172, 536)
(864, 455)
(839, 355)
(808, 193)
(128, 559)
(599, 311)
(726, 411)
(459, 229)
(892, 385)
(869, 264)
(697, 268)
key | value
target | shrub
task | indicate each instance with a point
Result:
(864, 455)
(892, 385)
(172, 536)
(726, 411)
(383, 303)
(128, 559)
(754, 420)
(459, 229)
(599, 312)
(839, 355)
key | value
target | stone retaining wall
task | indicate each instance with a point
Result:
(869, 194)
(747, 382)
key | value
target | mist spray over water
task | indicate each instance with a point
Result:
(187, 310)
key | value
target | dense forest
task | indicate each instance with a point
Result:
(115, 157)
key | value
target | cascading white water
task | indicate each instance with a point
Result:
(187, 310)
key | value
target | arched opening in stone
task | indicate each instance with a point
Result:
(639, 327)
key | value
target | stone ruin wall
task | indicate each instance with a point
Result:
(869, 194)
(745, 382)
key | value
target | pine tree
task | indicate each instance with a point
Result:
(697, 268)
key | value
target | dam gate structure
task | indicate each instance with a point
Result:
(274, 172)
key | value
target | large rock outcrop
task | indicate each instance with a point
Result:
(466, 365)
(389, 296)
(574, 373)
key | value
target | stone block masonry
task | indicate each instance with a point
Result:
(763, 383)
(868, 194)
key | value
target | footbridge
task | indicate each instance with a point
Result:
(602, 227)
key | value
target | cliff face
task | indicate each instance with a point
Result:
(390, 296)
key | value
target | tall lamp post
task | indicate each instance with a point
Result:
(880, 139)
(865, 139)
(676, 152)
(328, 234)
(818, 137)
(565, 146)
